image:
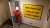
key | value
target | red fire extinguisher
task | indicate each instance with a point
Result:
(18, 13)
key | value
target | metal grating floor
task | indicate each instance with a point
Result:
(19, 26)
(23, 26)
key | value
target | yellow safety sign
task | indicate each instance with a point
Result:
(32, 11)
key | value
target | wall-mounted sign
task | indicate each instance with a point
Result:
(32, 11)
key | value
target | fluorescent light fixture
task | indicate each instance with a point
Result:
(17, 8)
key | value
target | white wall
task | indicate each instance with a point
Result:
(43, 20)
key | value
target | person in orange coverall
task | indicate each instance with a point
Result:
(18, 16)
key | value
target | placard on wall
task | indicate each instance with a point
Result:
(32, 11)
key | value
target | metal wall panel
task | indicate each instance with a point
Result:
(4, 11)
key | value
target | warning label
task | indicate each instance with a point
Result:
(32, 11)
